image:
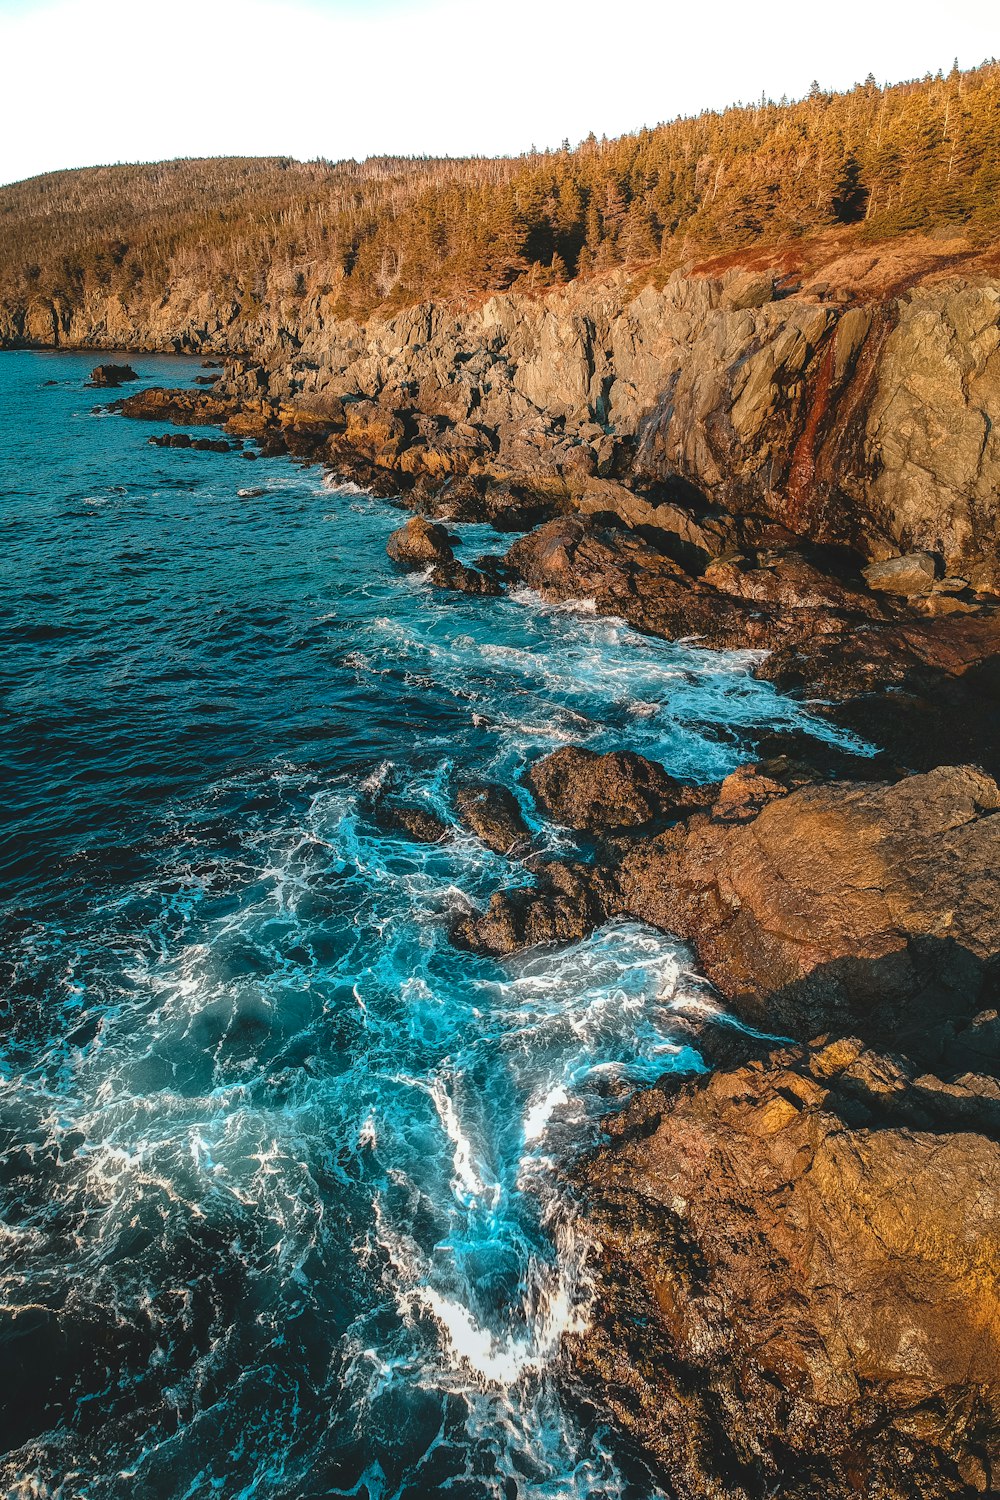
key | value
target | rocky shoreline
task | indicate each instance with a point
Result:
(796, 1282)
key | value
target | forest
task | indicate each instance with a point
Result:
(391, 231)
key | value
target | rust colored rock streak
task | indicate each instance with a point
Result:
(802, 501)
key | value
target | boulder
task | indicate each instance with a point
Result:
(493, 814)
(912, 574)
(112, 375)
(569, 900)
(608, 794)
(746, 289)
(420, 544)
(869, 906)
(797, 1287)
(463, 580)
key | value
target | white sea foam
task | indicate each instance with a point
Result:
(539, 1113)
(467, 1182)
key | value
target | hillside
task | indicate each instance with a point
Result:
(387, 233)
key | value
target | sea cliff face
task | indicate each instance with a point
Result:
(861, 410)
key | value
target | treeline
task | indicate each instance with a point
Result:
(395, 230)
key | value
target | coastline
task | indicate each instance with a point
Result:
(898, 1047)
(905, 1003)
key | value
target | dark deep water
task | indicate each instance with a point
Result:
(279, 1208)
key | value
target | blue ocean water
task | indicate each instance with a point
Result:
(280, 1202)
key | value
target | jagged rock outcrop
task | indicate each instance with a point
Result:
(609, 794)
(493, 815)
(868, 418)
(729, 606)
(870, 908)
(932, 442)
(797, 1286)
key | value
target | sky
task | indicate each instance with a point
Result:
(97, 81)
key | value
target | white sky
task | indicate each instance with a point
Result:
(89, 81)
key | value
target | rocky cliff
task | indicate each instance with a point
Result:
(851, 399)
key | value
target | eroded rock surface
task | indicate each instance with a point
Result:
(798, 1287)
(853, 905)
(608, 794)
(568, 900)
(493, 814)
(420, 544)
(868, 418)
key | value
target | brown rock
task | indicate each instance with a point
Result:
(493, 814)
(798, 1288)
(928, 692)
(912, 574)
(419, 544)
(866, 906)
(607, 794)
(568, 902)
(186, 407)
(374, 431)
(570, 559)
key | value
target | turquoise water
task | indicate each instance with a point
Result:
(280, 1212)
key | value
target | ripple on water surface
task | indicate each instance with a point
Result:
(281, 1212)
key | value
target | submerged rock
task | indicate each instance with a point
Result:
(415, 822)
(797, 1288)
(419, 544)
